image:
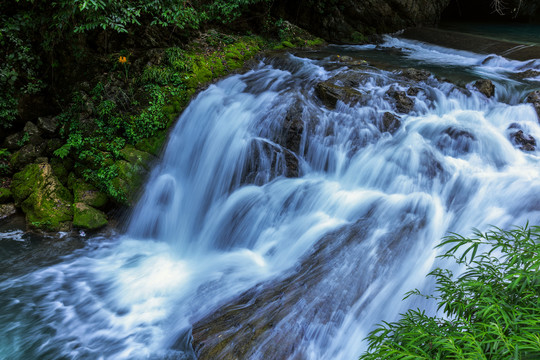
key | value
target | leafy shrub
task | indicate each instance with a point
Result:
(492, 309)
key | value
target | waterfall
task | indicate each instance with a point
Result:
(320, 215)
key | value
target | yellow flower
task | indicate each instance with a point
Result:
(122, 60)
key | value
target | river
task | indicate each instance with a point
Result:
(315, 232)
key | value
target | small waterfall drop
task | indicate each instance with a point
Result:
(287, 226)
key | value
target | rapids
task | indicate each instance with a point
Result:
(263, 190)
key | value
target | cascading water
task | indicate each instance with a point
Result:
(281, 228)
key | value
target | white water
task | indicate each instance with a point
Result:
(202, 234)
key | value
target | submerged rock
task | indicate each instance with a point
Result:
(44, 200)
(486, 87)
(390, 122)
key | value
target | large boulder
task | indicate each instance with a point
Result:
(403, 103)
(41, 196)
(349, 20)
(88, 194)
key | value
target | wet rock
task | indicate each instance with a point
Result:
(44, 200)
(413, 91)
(330, 94)
(87, 194)
(416, 74)
(48, 125)
(390, 122)
(86, 217)
(5, 195)
(267, 161)
(7, 210)
(293, 127)
(270, 320)
(486, 87)
(534, 99)
(404, 104)
(528, 74)
(526, 141)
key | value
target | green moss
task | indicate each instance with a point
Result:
(5, 195)
(358, 37)
(86, 217)
(154, 144)
(287, 44)
(88, 194)
(44, 200)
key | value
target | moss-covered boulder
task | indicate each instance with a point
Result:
(41, 196)
(131, 172)
(87, 217)
(5, 195)
(88, 194)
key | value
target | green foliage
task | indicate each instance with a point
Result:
(491, 309)
(227, 11)
(4, 162)
(19, 68)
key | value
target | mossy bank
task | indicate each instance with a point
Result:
(70, 171)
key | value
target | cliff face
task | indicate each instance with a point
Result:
(346, 20)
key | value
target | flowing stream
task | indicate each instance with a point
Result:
(263, 188)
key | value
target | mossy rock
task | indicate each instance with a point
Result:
(87, 217)
(88, 194)
(44, 200)
(154, 144)
(131, 172)
(5, 195)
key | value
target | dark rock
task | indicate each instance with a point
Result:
(330, 94)
(416, 74)
(390, 122)
(404, 104)
(26, 155)
(48, 125)
(352, 79)
(52, 146)
(526, 141)
(293, 127)
(528, 74)
(349, 20)
(33, 133)
(30, 107)
(413, 91)
(15, 141)
(7, 210)
(486, 87)
(534, 99)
